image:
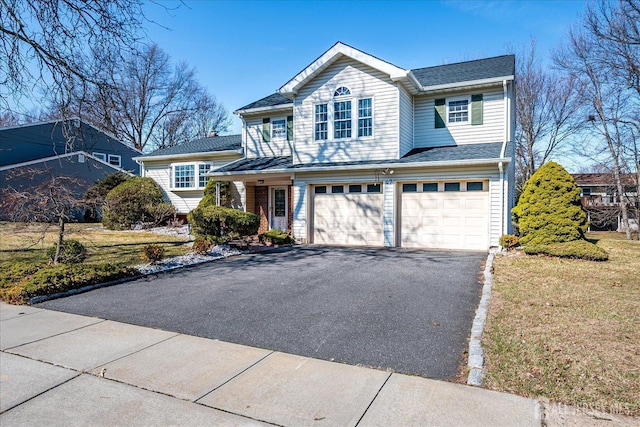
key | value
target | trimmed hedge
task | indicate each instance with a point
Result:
(276, 237)
(549, 209)
(580, 249)
(220, 222)
(135, 200)
(23, 281)
(509, 241)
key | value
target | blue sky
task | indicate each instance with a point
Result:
(245, 50)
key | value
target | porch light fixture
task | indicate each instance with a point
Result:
(261, 181)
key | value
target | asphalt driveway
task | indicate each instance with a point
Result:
(406, 310)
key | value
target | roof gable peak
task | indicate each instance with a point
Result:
(334, 53)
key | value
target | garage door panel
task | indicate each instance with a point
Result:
(452, 220)
(349, 219)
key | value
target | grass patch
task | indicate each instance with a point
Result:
(25, 270)
(567, 329)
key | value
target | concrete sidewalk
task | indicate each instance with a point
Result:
(64, 369)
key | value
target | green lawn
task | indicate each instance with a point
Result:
(568, 330)
(25, 270)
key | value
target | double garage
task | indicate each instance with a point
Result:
(435, 214)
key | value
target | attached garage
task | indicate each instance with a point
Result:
(444, 215)
(349, 214)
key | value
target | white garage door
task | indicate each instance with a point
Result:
(434, 218)
(349, 214)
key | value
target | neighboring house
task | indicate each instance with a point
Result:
(601, 201)
(180, 170)
(355, 150)
(61, 148)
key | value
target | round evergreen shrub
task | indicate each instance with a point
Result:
(71, 252)
(549, 209)
(153, 253)
(220, 222)
(135, 200)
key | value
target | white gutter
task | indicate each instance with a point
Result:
(462, 85)
(471, 162)
(186, 155)
(264, 109)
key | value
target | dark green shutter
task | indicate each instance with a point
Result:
(289, 128)
(266, 130)
(476, 109)
(440, 113)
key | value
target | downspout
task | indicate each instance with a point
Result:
(503, 199)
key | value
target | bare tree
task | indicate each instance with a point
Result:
(45, 198)
(148, 101)
(603, 54)
(546, 106)
(45, 43)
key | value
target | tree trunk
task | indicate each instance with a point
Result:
(60, 238)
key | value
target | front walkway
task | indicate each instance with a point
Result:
(64, 369)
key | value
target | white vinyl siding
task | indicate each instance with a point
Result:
(187, 199)
(406, 121)
(492, 129)
(363, 82)
(300, 210)
(253, 137)
(495, 224)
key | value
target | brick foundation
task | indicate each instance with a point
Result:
(261, 207)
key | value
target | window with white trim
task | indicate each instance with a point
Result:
(458, 110)
(342, 119)
(100, 156)
(279, 129)
(184, 176)
(202, 169)
(321, 122)
(365, 117)
(115, 160)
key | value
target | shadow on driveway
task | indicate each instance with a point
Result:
(405, 310)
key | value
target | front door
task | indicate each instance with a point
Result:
(279, 209)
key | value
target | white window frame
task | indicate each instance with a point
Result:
(197, 175)
(455, 99)
(275, 137)
(358, 118)
(355, 116)
(316, 122)
(117, 158)
(100, 156)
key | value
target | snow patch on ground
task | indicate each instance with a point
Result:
(192, 258)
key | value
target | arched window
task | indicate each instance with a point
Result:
(342, 91)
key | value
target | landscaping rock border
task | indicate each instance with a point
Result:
(476, 355)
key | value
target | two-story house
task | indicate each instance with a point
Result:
(354, 150)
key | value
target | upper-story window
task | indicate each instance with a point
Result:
(342, 91)
(279, 129)
(459, 111)
(100, 156)
(365, 117)
(115, 160)
(322, 122)
(342, 119)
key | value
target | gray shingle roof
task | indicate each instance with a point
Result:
(418, 155)
(258, 164)
(269, 101)
(201, 145)
(479, 69)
